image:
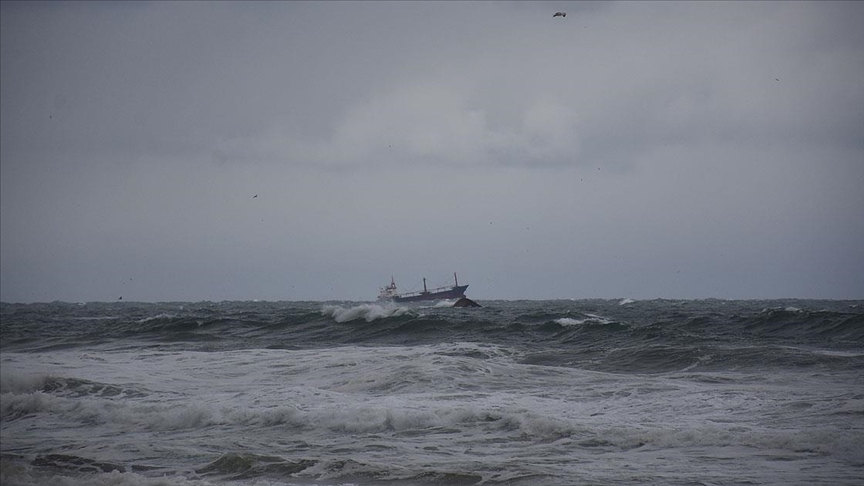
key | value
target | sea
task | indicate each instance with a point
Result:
(556, 392)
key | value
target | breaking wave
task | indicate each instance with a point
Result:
(589, 319)
(368, 312)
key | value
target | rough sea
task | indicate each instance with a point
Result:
(564, 392)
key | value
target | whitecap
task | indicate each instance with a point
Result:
(591, 318)
(568, 321)
(159, 317)
(369, 312)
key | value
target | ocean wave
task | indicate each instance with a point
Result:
(794, 322)
(53, 470)
(249, 325)
(568, 321)
(368, 312)
(244, 466)
(589, 319)
(14, 406)
(497, 421)
(23, 382)
(396, 417)
(164, 316)
(95, 411)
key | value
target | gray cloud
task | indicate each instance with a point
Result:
(630, 149)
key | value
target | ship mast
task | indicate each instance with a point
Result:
(424, 286)
(455, 279)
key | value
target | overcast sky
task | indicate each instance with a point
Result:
(173, 151)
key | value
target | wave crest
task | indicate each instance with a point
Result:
(589, 319)
(369, 312)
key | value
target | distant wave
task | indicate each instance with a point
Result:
(369, 312)
(164, 316)
(591, 318)
(568, 321)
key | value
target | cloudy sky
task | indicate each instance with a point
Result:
(310, 151)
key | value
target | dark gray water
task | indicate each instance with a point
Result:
(516, 392)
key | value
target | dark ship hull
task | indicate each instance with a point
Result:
(455, 292)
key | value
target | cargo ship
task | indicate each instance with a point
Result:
(454, 292)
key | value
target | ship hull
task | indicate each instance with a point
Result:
(458, 291)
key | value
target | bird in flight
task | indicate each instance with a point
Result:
(560, 14)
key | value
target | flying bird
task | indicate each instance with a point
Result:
(560, 14)
(256, 195)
